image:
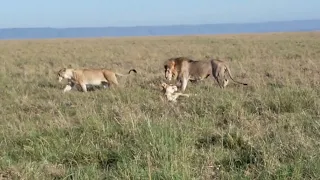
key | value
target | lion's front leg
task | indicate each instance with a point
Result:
(67, 88)
(84, 87)
(184, 84)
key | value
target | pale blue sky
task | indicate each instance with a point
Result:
(101, 13)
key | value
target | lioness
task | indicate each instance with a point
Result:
(185, 69)
(170, 92)
(84, 77)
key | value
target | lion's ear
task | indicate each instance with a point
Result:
(62, 69)
(59, 70)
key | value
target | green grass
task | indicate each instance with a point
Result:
(267, 130)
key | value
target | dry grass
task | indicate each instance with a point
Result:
(268, 130)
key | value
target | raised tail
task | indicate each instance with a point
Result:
(119, 74)
(229, 72)
(132, 70)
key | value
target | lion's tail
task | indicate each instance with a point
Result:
(119, 74)
(229, 72)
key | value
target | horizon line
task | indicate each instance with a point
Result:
(168, 25)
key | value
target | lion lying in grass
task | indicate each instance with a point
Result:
(170, 92)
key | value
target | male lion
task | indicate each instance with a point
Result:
(85, 76)
(185, 69)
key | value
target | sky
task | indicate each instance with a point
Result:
(104, 13)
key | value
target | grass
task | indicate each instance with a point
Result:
(267, 130)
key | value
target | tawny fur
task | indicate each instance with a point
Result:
(170, 92)
(219, 68)
(84, 77)
(184, 69)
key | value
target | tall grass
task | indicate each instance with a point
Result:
(268, 130)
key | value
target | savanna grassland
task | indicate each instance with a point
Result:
(269, 129)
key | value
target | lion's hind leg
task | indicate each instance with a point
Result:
(175, 96)
(219, 80)
(219, 77)
(182, 94)
(225, 82)
(112, 80)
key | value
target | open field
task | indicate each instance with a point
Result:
(267, 130)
